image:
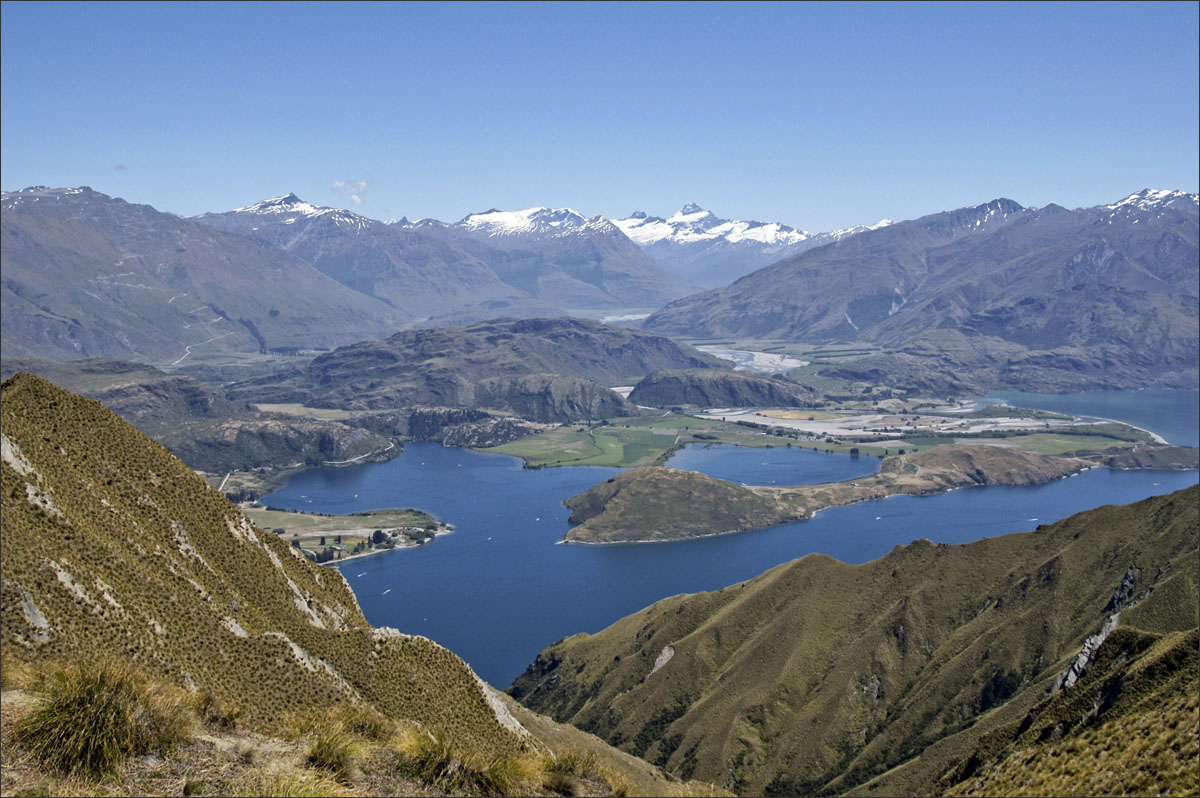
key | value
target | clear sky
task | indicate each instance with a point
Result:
(817, 115)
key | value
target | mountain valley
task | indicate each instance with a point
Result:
(314, 336)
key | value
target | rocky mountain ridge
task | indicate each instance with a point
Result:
(996, 296)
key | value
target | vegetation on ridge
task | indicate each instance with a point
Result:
(820, 677)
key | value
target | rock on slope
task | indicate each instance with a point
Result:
(819, 677)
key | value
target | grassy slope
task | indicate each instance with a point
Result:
(666, 504)
(819, 676)
(112, 546)
(1128, 728)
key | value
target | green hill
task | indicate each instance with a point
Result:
(819, 677)
(114, 549)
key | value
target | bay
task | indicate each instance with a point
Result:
(1172, 413)
(497, 590)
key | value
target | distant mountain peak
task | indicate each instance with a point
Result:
(531, 221)
(691, 208)
(1156, 199)
(288, 203)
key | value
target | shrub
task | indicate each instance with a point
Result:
(91, 717)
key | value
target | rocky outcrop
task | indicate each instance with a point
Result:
(492, 432)
(719, 388)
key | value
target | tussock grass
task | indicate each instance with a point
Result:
(289, 782)
(215, 710)
(365, 722)
(444, 766)
(335, 750)
(91, 717)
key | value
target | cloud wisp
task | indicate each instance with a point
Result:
(352, 189)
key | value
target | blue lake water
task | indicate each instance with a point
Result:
(1173, 414)
(778, 465)
(497, 590)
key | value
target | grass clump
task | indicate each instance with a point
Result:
(300, 783)
(335, 750)
(214, 710)
(442, 765)
(91, 717)
(365, 722)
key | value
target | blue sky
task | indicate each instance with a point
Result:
(817, 115)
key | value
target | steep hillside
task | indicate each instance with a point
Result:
(541, 369)
(714, 388)
(87, 275)
(203, 428)
(1135, 712)
(1096, 296)
(820, 677)
(112, 548)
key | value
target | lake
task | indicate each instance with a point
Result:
(1173, 414)
(778, 465)
(497, 590)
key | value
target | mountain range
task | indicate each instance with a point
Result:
(519, 263)
(548, 370)
(997, 295)
(1043, 298)
(88, 275)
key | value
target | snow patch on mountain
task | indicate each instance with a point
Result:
(1153, 199)
(295, 209)
(537, 222)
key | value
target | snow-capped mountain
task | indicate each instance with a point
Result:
(1155, 199)
(290, 209)
(539, 261)
(559, 253)
(534, 222)
(698, 244)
